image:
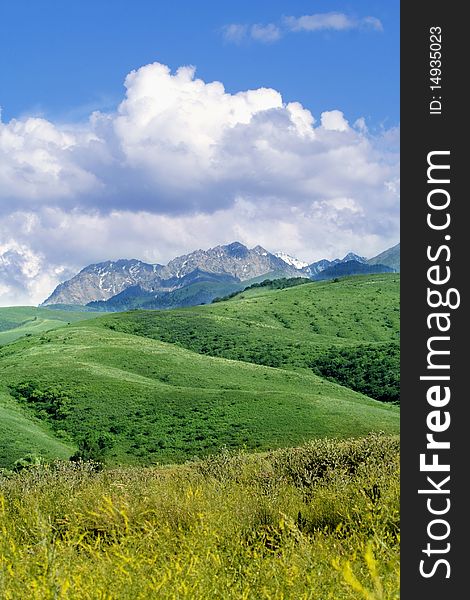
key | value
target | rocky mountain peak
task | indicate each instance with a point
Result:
(233, 263)
(352, 256)
(235, 249)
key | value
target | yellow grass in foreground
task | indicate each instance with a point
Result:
(316, 522)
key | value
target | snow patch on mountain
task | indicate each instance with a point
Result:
(291, 260)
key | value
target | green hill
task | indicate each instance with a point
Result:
(22, 434)
(18, 321)
(142, 401)
(164, 386)
(289, 328)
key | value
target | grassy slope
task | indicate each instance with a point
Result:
(164, 403)
(287, 328)
(18, 321)
(315, 522)
(21, 434)
(161, 402)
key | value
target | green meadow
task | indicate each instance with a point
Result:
(279, 328)
(21, 434)
(150, 401)
(148, 387)
(245, 449)
(19, 321)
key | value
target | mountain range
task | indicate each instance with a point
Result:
(199, 277)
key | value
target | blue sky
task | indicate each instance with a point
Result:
(62, 58)
(150, 129)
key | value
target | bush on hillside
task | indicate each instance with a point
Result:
(51, 403)
(373, 370)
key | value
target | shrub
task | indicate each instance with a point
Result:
(93, 447)
(373, 370)
(53, 403)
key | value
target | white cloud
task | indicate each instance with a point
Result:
(265, 33)
(360, 125)
(183, 164)
(25, 277)
(331, 21)
(235, 33)
(36, 157)
(372, 23)
(334, 120)
(319, 21)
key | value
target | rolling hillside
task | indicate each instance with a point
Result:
(18, 321)
(146, 387)
(147, 401)
(279, 328)
(22, 434)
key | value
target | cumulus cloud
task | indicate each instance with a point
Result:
(36, 157)
(182, 164)
(334, 120)
(360, 125)
(25, 276)
(178, 144)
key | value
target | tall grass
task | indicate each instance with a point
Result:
(316, 522)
